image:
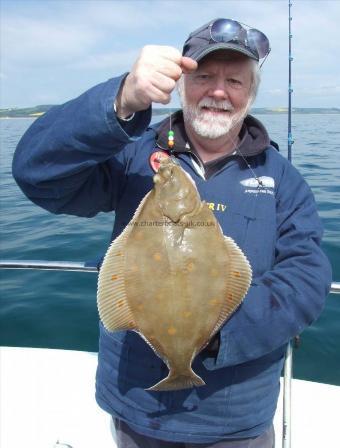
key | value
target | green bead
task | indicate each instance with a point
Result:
(171, 133)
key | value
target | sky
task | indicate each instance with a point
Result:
(53, 50)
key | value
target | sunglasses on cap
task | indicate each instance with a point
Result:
(227, 30)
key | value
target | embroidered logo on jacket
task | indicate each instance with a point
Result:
(266, 186)
(217, 207)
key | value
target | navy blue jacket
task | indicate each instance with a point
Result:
(78, 159)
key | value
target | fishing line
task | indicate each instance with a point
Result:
(171, 135)
(238, 151)
(258, 180)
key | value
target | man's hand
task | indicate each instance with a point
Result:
(152, 79)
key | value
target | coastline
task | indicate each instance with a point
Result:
(159, 112)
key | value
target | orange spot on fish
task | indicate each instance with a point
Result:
(236, 274)
(120, 303)
(190, 266)
(213, 302)
(119, 253)
(157, 256)
(230, 296)
(172, 331)
(114, 277)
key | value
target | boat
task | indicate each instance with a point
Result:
(47, 401)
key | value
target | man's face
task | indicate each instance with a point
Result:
(216, 97)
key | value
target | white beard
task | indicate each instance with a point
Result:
(210, 125)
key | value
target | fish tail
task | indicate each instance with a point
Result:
(175, 381)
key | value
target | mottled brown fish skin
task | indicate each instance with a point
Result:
(179, 274)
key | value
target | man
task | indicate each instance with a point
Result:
(98, 153)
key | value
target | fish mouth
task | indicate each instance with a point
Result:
(164, 173)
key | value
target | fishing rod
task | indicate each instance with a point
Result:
(290, 89)
(288, 364)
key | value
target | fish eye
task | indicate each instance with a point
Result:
(166, 172)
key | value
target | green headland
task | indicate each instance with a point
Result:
(37, 111)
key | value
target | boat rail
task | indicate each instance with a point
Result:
(75, 266)
(79, 266)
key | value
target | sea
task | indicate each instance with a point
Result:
(58, 309)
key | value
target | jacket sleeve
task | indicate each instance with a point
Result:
(283, 301)
(72, 159)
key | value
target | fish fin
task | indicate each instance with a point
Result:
(175, 381)
(112, 304)
(113, 308)
(239, 279)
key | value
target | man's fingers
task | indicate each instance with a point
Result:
(158, 96)
(164, 83)
(153, 77)
(170, 69)
(188, 65)
(170, 53)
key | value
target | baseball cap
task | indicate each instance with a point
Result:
(226, 34)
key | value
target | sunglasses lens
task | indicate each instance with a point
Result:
(259, 42)
(224, 30)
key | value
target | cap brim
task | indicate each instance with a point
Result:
(198, 55)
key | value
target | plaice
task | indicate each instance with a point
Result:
(172, 276)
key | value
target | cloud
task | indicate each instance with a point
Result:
(320, 90)
(114, 61)
(274, 91)
(30, 41)
(69, 45)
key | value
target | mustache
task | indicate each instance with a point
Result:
(210, 102)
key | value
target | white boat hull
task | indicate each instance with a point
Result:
(48, 396)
